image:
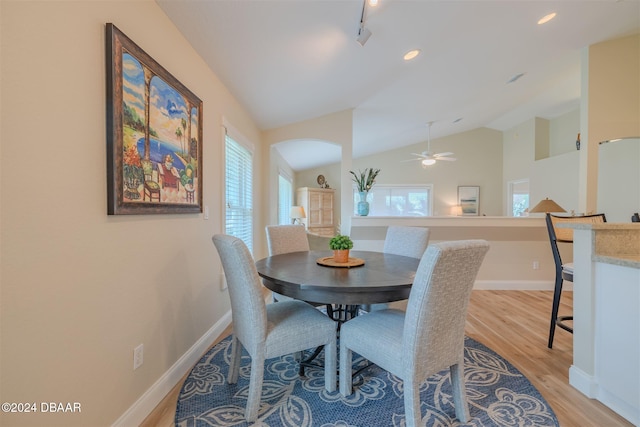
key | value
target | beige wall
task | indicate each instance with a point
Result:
(479, 154)
(81, 289)
(610, 105)
(336, 128)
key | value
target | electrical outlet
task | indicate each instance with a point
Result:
(536, 265)
(138, 356)
(206, 212)
(223, 282)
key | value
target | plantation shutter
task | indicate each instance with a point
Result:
(285, 199)
(239, 191)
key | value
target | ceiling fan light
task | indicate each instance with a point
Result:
(411, 54)
(546, 18)
(428, 162)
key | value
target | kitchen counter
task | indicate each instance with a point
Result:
(606, 312)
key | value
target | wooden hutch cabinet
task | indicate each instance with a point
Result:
(318, 204)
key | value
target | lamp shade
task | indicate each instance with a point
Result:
(545, 206)
(297, 212)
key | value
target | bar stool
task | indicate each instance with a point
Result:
(563, 271)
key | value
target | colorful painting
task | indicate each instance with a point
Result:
(469, 200)
(154, 135)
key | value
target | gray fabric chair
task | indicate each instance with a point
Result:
(268, 331)
(429, 337)
(283, 239)
(317, 242)
(405, 241)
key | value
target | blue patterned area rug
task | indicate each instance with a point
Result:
(498, 395)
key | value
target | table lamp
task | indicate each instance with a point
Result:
(296, 213)
(546, 206)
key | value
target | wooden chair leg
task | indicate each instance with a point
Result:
(234, 363)
(346, 384)
(255, 388)
(412, 409)
(330, 356)
(459, 391)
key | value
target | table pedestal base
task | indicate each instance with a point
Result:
(340, 313)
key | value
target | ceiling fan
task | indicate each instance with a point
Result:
(427, 158)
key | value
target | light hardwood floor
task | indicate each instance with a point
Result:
(515, 325)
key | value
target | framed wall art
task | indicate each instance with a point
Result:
(469, 200)
(154, 135)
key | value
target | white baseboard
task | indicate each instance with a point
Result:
(619, 406)
(583, 382)
(587, 385)
(154, 395)
(518, 285)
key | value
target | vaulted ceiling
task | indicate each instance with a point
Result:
(288, 61)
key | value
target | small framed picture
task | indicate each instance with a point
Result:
(469, 200)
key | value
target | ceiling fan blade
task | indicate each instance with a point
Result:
(448, 153)
(411, 160)
(448, 159)
(423, 155)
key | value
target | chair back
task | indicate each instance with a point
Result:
(248, 309)
(433, 336)
(566, 234)
(557, 234)
(317, 242)
(406, 241)
(283, 239)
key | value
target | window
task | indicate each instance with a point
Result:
(238, 190)
(285, 198)
(518, 197)
(398, 200)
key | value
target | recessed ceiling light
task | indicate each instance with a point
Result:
(547, 18)
(411, 54)
(373, 3)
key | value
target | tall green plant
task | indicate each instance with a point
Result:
(365, 180)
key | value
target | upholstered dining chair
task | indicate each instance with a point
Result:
(564, 271)
(429, 337)
(283, 239)
(405, 241)
(268, 331)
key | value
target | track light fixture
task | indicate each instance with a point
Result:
(363, 32)
(363, 35)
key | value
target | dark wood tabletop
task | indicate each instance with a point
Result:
(383, 277)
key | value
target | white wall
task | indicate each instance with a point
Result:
(619, 179)
(81, 289)
(563, 132)
(556, 178)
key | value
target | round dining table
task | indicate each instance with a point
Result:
(382, 277)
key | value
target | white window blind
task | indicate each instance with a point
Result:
(285, 198)
(397, 200)
(239, 191)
